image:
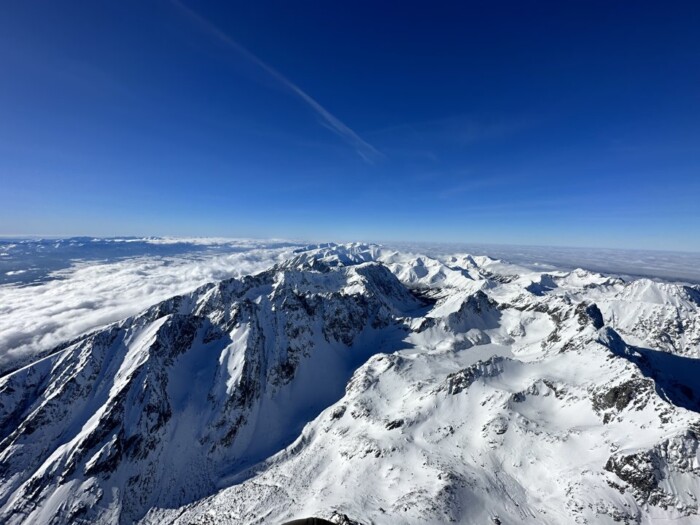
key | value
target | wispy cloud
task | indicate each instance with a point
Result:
(463, 129)
(368, 152)
(452, 134)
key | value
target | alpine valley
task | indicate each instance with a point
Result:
(364, 385)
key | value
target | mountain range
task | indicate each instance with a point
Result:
(366, 385)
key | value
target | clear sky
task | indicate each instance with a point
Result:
(567, 123)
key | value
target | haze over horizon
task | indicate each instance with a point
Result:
(569, 124)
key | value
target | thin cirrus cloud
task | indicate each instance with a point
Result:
(365, 150)
(428, 140)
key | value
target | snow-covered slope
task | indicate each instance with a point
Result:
(357, 383)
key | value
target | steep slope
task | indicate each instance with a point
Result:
(157, 409)
(354, 382)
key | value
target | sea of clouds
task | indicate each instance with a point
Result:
(54, 290)
(110, 282)
(629, 264)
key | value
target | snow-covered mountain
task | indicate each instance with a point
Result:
(366, 385)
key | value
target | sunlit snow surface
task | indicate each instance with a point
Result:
(674, 266)
(52, 290)
(391, 387)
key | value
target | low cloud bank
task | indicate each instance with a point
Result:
(86, 295)
(56, 290)
(672, 266)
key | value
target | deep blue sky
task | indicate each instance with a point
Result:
(569, 122)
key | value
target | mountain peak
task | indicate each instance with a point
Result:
(355, 381)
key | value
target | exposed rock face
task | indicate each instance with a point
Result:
(655, 475)
(631, 394)
(460, 381)
(590, 313)
(364, 386)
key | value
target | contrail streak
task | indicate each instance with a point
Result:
(368, 152)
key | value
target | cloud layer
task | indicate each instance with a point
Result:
(631, 264)
(77, 285)
(87, 295)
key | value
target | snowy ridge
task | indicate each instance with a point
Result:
(352, 381)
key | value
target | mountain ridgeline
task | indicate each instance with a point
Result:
(364, 385)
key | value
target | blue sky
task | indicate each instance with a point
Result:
(564, 123)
